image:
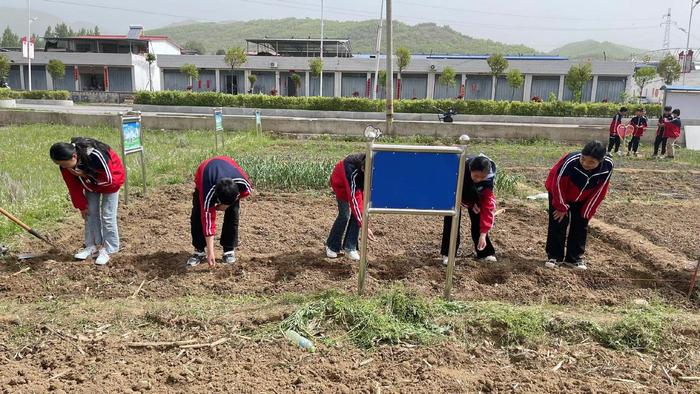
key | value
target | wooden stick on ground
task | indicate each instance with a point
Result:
(139, 289)
(161, 344)
(58, 375)
(689, 378)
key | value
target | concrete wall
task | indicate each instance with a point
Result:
(351, 127)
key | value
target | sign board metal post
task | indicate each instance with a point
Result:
(258, 121)
(385, 191)
(132, 142)
(218, 127)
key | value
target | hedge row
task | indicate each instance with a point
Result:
(469, 107)
(34, 94)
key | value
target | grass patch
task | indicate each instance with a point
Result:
(396, 316)
(637, 329)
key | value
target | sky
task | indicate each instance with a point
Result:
(542, 24)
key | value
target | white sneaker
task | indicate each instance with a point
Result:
(229, 257)
(490, 259)
(352, 254)
(85, 253)
(102, 258)
(331, 254)
(551, 263)
(445, 260)
(196, 259)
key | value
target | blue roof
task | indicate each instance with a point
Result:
(471, 57)
(681, 87)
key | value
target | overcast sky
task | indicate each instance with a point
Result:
(542, 24)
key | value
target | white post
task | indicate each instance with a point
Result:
(307, 83)
(217, 79)
(493, 87)
(527, 88)
(246, 82)
(389, 71)
(463, 85)
(21, 77)
(277, 82)
(49, 80)
(594, 88)
(377, 52)
(430, 93)
(338, 84)
(29, 41)
(560, 93)
(320, 89)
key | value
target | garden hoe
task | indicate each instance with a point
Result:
(26, 228)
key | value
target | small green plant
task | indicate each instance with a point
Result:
(403, 59)
(642, 76)
(150, 58)
(498, 64)
(669, 69)
(56, 69)
(252, 78)
(577, 77)
(515, 80)
(191, 71)
(4, 67)
(639, 330)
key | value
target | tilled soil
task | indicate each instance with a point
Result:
(281, 251)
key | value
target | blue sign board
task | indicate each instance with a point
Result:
(414, 180)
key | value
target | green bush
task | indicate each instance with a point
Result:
(34, 94)
(468, 107)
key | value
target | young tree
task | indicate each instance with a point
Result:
(447, 78)
(150, 58)
(56, 69)
(220, 52)
(515, 80)
(669, 69)
(61, 30)
(96, 32)
(252, 79)
(403, 59)
(498, 64)
(382, 78)
(191, 71)
(49, 32)
(10, 39)
(576, 79)
(4, 68)
(316, 69)
(234, 58)
(643, 76)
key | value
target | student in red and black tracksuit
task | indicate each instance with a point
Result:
(639, 121)
(94, 174)
(219, 185)
(672, 130)
(660, 141)
(478, 198)
(615, 139)
(348, 183)
(577, 185)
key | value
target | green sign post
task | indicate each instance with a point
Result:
(132, 142)
(218, 127)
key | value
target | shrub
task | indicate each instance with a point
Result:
(361, 104)
(34, 94)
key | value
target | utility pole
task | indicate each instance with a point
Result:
(667, 32)
(377, 51)
(320, 90)
(686, 58)
(390, 72)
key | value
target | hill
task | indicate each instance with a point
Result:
(16, 19)
(591, 49)
(421, 38)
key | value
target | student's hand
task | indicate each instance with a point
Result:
(482, 242)
(559, 215)
(211, 258)
(370, 235)
(476, 209)
(84, 213)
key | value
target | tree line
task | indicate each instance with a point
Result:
(10, 39)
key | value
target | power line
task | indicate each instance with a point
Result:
(139, 11)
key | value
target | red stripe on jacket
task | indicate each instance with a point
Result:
(569, 183)
(208, 173)
(110, 177)
(347, 181)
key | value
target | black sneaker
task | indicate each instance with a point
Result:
(577, 265)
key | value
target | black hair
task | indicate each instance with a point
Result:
(676, 112)
(639, 109)
(623, 109)
(594, 149)
(480, 163)
(80, 147)
(668, 108)
(226, 191)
